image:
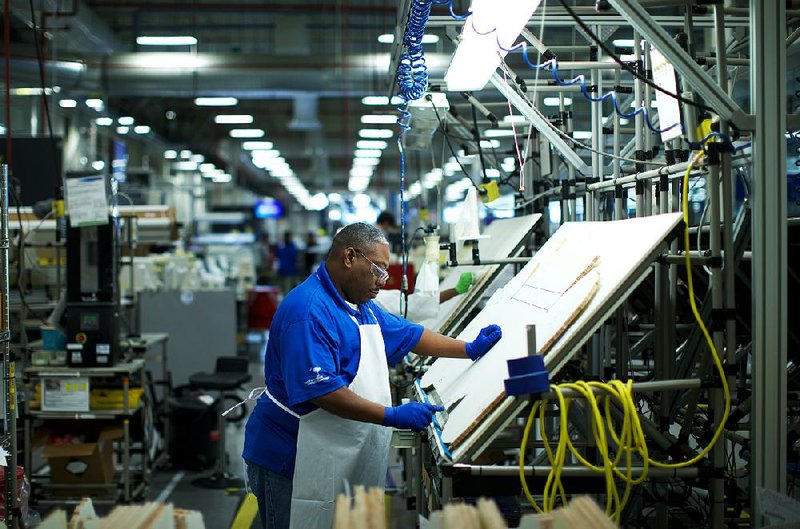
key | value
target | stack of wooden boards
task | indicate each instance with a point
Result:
(367, 511)
(581, 513)
(146, 516)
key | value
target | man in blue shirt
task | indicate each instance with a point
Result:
(326, 414)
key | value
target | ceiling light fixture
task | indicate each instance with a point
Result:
(141, 129)
(257, 145)
(233, 119)
(368, 153)
(492, 29)
(185, 165)
(198, 158)
(170, 154)
(215, 101)
(499, 133)
(371, 144)
(104, 122)
(68, 103)
(94, 103)
(388, 38)
(381, 100)
(247, 133)
(186, 154)
(381, 119)
(123, 130)
(376, 133)
(554, 101)
(166, 40)
(125, 120)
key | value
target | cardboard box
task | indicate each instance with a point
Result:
(88, 462)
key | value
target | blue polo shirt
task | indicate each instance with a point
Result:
(314, 348)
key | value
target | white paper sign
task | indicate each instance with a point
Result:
(65, 394)
(87, 201)
(669, 111)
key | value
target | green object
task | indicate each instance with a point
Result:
(464, 282)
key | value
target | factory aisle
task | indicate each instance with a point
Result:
(219, 507)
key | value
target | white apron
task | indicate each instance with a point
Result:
(331, 450)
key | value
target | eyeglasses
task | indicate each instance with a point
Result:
(379, 273)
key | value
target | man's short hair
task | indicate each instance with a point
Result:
(385, 218)
(358, 235)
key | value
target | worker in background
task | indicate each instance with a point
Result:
(287, 263)
(421, 305)
(310, 254)
(325, 416)
(388, 226)
(266, 253)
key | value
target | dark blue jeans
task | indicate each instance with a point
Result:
(274, 494)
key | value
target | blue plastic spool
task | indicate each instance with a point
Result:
(527, 375)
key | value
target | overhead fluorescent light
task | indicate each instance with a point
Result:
(215, 101)
(104, 122)
(357, 184)
(170, 154)
(371, 144)
(233, 119)
(554, 101)
(480, 50)
(368, 153)
(582, 134)
(256, 145)
(223, 178)
(247, 133)
(515, 119)
(318, 202)
(166, 40)
(265, 154)
(207, 167)
(382, 119)
(361, 200)
(334, 197)
(623, 43)
(125, 120)
(361, 162)
(388, 38)
(499, 133)
(68, 103)
(123, 130)
(334, 215)
(376, 133)
(94, 103)
(98, 165)
(186, 154)
(361, 171)
(490, 144)
(492, 173)
(141, 129)
(198, 158)
(185, 165)
(381, 100)
(34, 91)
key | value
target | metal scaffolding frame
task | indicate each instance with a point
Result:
(658, 191)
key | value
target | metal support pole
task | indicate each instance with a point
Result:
(768, 89)
(9, 378)
(718, 452)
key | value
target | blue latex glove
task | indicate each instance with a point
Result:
(486, 339)
(413, 415)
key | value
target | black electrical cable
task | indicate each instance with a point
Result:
(450, 145)
(477, 138)
(627, 67)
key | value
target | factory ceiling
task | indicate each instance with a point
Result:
(300, 69)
